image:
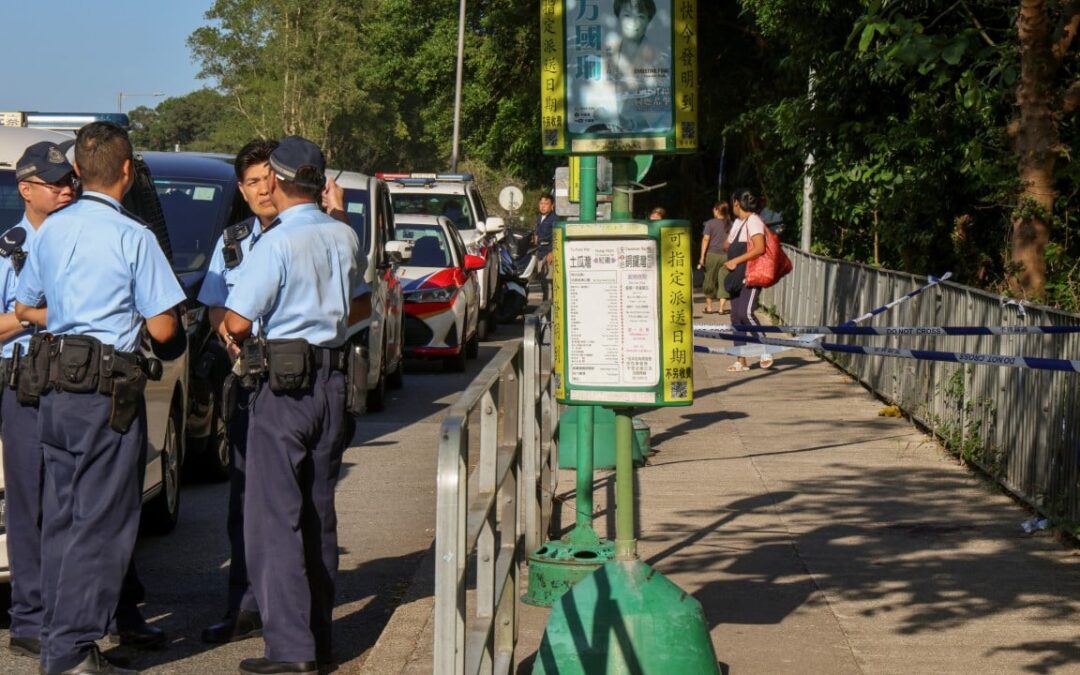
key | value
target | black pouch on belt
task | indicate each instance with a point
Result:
(291, 365)
(78, 364)
(356, 373)
(33, 372)
(128, 386)
(229, 390)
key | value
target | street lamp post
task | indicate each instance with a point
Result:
(121, 95)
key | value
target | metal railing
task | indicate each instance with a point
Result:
(1020, 426)
(478, 515)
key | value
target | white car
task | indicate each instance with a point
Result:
(166, 399)
(367, 204)
(442, 296)
(457, 197)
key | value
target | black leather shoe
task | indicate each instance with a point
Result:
(143, 636)
(25, 646)
(268, 667)
(234, 628)
(95, 663)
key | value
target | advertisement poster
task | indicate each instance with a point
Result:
(619, 76)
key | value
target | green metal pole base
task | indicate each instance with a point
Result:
(556, 566)
(626, 618)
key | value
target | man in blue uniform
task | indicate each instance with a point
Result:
(304, 285)
(233, 249)
(46, 183)
(92, 417)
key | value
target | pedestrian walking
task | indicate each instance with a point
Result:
(714, 246)
(746, 242)
(303, 285)
(95, 277)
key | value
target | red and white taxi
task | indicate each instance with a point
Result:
(442, 296)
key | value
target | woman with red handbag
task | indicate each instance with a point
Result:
(746, 242)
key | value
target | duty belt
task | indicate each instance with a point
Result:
(336, 357)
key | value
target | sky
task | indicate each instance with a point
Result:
(77, 56)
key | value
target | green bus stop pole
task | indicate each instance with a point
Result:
(625, 543)
(586, 415)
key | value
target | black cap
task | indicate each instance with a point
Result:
(45, 160)
(295, 153)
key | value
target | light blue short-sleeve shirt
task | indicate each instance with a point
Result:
(301, 277)
(100, 273)
(9, 279)
(220, 279)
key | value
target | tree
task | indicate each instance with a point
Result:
(189, 122)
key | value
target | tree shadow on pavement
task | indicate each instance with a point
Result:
(916, 550)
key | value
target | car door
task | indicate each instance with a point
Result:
(394, 302)
(471, 288)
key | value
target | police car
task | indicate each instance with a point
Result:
(457, 197)
(442, 296)
(166, 400)
(367, 204)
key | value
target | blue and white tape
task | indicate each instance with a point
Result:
(1027, 362)
(709, 330)
(934, 281)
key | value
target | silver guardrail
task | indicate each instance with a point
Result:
(1020, 427)
(478, 514)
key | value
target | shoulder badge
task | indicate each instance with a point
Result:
(11, 247)
(240, 231)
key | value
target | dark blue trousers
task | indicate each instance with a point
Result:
(295, 445)
(241, 595)
(90, 518)
(23, 476)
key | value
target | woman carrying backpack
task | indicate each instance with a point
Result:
(746, 242)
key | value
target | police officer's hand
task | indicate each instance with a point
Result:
(233, 349)
(333, 199)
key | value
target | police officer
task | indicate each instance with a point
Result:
(233, 249)
(304, 284)
(46, 183)
(103, 276)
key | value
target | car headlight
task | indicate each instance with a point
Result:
(445, 294)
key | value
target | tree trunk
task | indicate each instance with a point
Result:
(1036, 142)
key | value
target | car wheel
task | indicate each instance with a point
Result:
(215, 458)
(395, 379)
(162, 512)
(456, 363)
(481, 324)
(376, 397)
(472, 347)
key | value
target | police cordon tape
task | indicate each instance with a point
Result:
(934, 281)
(1027, 362)
(710, 330)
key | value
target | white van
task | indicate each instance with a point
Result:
(166, 399)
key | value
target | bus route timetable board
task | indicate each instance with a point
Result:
(623, 333)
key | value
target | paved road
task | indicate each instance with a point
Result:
(386, 511)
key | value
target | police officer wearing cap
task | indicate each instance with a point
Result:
(46, 183)
(304, 283)
(104, 278)
(232, 251)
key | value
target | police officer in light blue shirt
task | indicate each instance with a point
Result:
(46, 182)
(304, 283)
(103, 278)
(232, 250)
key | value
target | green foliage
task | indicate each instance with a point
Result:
(190, 122)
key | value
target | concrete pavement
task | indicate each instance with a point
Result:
(820, 538)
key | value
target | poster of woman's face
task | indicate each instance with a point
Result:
(620, 68)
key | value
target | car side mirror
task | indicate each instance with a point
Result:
(398, 252)
(474, 262)
(494, 225)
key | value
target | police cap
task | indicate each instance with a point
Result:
(295, 154)
(45, 160)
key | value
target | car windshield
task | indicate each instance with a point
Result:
(356, 208)
(429, 245)
(11, 203)
(195, 212)
(454, 207)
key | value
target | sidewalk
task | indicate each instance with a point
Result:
(821, 538)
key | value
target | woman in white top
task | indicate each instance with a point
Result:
(746, 242)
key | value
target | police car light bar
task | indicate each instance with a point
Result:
(425, 178)
(60, 121)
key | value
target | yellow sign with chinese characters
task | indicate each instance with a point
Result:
(622, 326)
(686, 83)
(552, 83)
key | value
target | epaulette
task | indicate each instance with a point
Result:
(11, 246)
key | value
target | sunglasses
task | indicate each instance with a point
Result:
(69, 181)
